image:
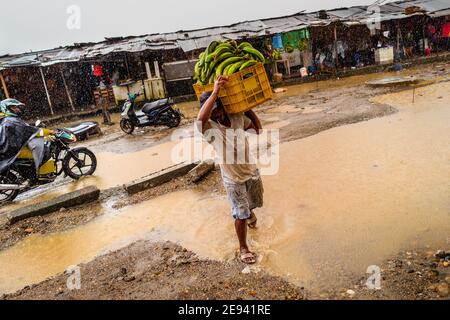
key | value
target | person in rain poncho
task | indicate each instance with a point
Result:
(15, 134)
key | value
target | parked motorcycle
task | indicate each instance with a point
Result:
(155, 113)
(58, 158)
(84, 130)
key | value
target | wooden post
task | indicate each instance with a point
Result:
(126, 64)
(398, 38)
(46, 91)
(336, 59)
(157, 73)
(149, 72)
(5, 89)
(423, 34)
(67, 89)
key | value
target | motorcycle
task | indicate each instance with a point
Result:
(160, 112)
(58, 158)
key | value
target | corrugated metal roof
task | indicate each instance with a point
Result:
(22, 60)
(200, 38)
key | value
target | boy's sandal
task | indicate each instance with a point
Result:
(247, 257)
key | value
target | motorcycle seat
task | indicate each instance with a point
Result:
(151, 106)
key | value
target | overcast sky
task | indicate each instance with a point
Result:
(35, 25)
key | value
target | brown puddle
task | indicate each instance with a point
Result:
(113, 169)
(356, 80)
(343, 199)
(189, 109)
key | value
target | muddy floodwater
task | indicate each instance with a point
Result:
(343, 200)
(113, 169)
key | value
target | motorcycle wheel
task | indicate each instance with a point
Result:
(127, 126)
(8, 195)
(84, 164)
(174, 120)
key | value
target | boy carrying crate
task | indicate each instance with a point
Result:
(241, 178)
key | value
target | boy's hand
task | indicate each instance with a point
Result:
(219, 83)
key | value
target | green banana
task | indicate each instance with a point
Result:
(247, 64)
(201, 59)
(225, 58)
(235, 67)
(204, 74)
(244, 44)
(227, 69)
(212, 46)
(218, 53)
(225, 63)
(209, 71)
(197, 68)
(212, 65)
(212, 78)
(218, 60)
(225, 45)
(254, 52)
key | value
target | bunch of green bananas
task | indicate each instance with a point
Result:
(276, 55)
(289, 48)
(225, 58)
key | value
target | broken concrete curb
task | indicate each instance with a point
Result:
(201, 170)
(159, 178)
(67, 200)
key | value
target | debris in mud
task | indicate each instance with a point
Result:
(251, 269)
(350, 293)
(442, 289)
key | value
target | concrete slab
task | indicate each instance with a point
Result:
(392, 81)
(159, 177)
(201, 170)
(67, 200)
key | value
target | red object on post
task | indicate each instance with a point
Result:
(98, 70)
(446, 30)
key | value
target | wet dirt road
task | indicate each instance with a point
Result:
(343, 199)
(130, 157)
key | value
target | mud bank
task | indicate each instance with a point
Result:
(147, 270)
(419, 274)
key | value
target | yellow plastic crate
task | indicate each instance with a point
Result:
(243, 91)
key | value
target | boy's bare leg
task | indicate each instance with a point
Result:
(241, 230)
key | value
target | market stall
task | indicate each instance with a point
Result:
(292, 53)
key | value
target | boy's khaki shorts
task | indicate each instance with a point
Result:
(244, 197)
